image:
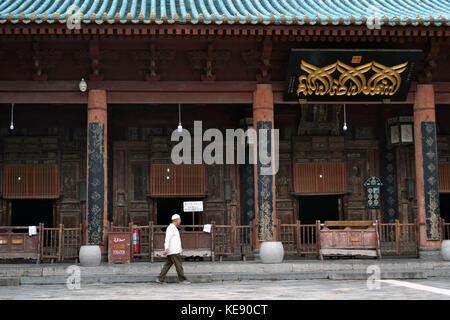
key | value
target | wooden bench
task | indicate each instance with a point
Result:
(349, 238)
(15, 243)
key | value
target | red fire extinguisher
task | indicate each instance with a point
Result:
(136, 240)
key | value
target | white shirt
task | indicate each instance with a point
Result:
(173, 240)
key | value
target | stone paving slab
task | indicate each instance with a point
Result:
(383, 275)
(296, 269)
(235, 290)
(9, 282)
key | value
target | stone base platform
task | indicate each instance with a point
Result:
(229, 271)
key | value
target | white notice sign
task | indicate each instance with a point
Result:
(207, 228)
(192, 206)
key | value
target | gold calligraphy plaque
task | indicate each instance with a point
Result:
(385, 81)
(350, 75)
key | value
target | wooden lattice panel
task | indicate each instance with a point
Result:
(320, 178)
(31, 182)
(444, 177)
(169, 180)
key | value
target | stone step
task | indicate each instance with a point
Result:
(383, 275)
(90, 279)
(9, 282)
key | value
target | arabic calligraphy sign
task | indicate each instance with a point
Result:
(119, 247)
(354, 75)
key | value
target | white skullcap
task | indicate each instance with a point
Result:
(175, 217)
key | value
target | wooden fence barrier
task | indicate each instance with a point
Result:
(16, 243)
(233, 240)
(398, 238)
(61, 243)
(224, 240)
(299, 239)
(196, 242)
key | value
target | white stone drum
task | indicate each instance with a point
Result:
(445, 250)
(90, 256)
(271, 252)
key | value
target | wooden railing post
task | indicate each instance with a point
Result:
(151, 237)
(80, 241)
(298, 234)
(397, 236)
(416, 234)
(213, 240)
(278, 226)
(232, 238)
(317, 236)
(377, 234)
(41, 242)
(150, 223)
(60, 242)
(251, 236)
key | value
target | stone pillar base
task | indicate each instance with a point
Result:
(430, 253)
(90, 256)
(271, 252)
(445, 250)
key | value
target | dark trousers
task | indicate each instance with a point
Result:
(176, 260)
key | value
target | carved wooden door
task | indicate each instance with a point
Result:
(131, 202)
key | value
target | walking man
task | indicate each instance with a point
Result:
(172, 248)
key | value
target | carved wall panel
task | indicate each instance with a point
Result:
(214, 215)
(131, 187)
(69, 178)
(362, 163)
(405, 170)
(70, 209)
(214, 183)
(362, 160)
(285, 201)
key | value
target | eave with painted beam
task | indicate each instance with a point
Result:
(161, 92)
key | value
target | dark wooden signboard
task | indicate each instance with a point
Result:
(350, 75)
(119, 247)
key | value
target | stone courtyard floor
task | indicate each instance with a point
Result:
(433, 288)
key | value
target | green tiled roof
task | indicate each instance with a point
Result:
(296, 12)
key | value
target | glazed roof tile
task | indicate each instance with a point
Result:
(286, 12)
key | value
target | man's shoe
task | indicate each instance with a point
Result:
(157, 281)
(185, 282)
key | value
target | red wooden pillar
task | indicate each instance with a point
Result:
(96, 181)
(265, 212)
(426, 161)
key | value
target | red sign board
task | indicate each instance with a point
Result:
(119, 244)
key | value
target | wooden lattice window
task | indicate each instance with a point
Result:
(31, 182)
(444, 177)
(169, 180)
(320, 178)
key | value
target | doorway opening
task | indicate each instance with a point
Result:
(27, 212)
(444, 199)
(312, 208)
(166, 207)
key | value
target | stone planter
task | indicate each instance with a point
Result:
(271, 252)
(90, 256)
(445, 250)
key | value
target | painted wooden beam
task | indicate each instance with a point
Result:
(161, 92)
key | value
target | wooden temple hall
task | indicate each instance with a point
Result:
(91, 92)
